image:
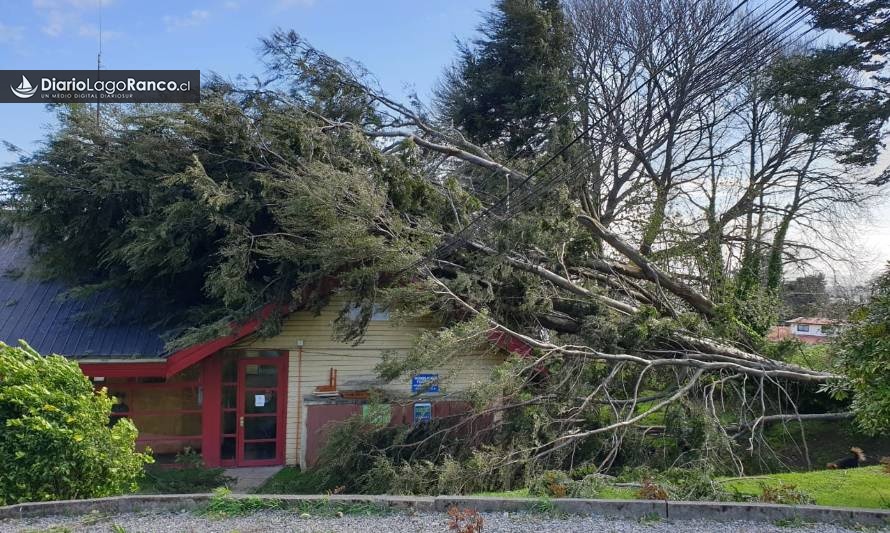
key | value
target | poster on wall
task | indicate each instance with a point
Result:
(421, 383)
(377, 414)
(423, 412)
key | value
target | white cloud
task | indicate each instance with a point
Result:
(10, 34)
(195, 18)
(91, 30)
(55, 23)
(60, 16)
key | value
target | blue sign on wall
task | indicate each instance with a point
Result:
(423, 412)
(425, 383)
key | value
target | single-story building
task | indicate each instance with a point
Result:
(240, 400)
(809, 330)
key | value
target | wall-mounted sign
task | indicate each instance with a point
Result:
(421, 383)
(423, 412)
(259, 400)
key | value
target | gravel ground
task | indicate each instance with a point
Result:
(402, 523)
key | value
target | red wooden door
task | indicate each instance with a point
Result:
(261, 403)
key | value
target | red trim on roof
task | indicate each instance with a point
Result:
(509, 342)
(182, 359)
(179, 361)
(125, 370)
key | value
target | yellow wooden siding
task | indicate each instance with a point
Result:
(321, 352)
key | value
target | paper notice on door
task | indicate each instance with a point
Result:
(259, 400)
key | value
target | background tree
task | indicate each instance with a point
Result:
(843, 85)
(509, 86)
(863, 354)
(805, 296)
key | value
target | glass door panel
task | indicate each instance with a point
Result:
(260, 413)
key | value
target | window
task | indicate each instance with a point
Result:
(378, 312)
(828, 330)
(167, 413)
(803, 327)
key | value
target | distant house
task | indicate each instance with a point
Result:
(809, 330)
(240, 400)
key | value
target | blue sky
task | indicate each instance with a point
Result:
(400, 41)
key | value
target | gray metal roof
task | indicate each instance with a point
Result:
(34, 310)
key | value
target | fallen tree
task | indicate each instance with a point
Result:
(629, 317)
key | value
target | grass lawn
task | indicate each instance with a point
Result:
(856, 487)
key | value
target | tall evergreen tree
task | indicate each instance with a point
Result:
(846, 86)
(509, 86)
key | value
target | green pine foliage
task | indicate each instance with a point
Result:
(56, 442)
(863, 355)
(213, 210)
(824, 89)
(511, 85)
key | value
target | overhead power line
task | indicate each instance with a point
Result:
(786, 21)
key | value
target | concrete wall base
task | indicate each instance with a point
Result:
(634, 509)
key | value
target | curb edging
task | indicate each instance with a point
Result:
(633, 509)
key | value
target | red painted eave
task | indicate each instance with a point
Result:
(125, 370)
(509, 342)
(182, 359)
(179, 361)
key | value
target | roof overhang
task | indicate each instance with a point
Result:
(181, 359)
(129, 368)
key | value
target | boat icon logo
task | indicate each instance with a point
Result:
(24, 90)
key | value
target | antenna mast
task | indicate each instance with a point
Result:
(99, 63)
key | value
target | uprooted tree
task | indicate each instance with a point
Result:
(633, 242)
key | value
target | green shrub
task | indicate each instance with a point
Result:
(363, 457)
(55, 437)
(589, 487)
(862, 355)
(696, 484)
(551, 483)
(189, 475)
(446, 476)
(223, 505)
(785, 493)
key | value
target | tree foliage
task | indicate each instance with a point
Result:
(510, 86)
(56, 442)
(640, 269)
(843, 85)
(217, 209)
(863, 354)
